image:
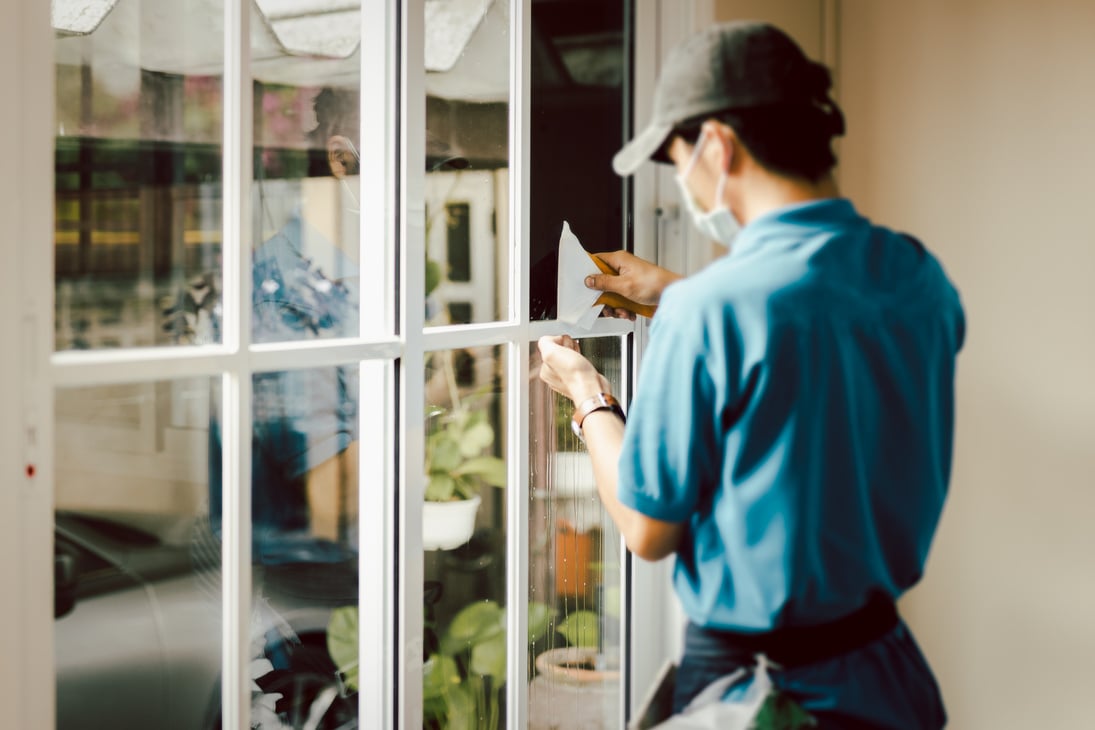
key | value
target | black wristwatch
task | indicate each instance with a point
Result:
(599, 402)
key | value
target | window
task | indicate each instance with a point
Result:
(298, 279)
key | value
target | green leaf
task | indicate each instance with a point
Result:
(611, 601)
(444, 456)
(461, 715)
(476, 622)
(439, 675)
(342, 633)
(780, 712)
(539, 619)
(490, 468)
(433, 275)
(465, 488)
(477, 437)
(440, 488)
(488, 658)
(580, 629)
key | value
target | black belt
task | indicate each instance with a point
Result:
(797, 645)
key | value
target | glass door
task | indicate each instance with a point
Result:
(304, 472)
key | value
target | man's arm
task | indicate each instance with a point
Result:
(572, 376)
(649, 538)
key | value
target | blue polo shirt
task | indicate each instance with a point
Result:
(795, 408)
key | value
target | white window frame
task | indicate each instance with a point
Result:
(392, 211)
(26, 242)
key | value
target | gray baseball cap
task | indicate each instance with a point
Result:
(732, 66)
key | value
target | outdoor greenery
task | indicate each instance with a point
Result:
(463, 680)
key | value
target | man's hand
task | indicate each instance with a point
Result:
(635, 278)
(567, 371)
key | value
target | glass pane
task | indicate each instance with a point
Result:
(579, 110)
(464, 533)
(138, 171)
(137, 565)
(307, 170)
(467, 161)
(305, 260)
(304, 477)
(575, 567)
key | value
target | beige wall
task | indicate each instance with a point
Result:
(801, 19)
(972, 124)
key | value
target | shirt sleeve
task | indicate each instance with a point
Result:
(671, 452)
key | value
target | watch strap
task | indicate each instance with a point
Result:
(599, 402)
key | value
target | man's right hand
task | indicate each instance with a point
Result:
(635, 278)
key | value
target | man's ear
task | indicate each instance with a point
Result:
(723, 143)
(341, 156)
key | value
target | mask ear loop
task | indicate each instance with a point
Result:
(696, 152)
(720, 187)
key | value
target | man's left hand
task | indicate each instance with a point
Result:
(567, 371)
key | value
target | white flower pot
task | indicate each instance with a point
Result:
(448, 525)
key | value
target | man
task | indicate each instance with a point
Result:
(790, 435)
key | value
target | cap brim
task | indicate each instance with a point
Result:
(640, 149)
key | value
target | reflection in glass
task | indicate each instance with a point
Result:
(137, 567)
(138, 170)
(579, 108)
(304, 477)
(467, 160)
(574, 568)
(306, 227)
(464, 534)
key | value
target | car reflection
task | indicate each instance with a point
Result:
(138, 631)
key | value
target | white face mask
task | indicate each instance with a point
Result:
(718, 224)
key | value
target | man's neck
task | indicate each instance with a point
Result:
(766, 192)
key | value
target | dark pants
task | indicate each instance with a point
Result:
(883, 683)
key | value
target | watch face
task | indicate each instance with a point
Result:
(577, 431)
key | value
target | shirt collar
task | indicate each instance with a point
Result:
(827, 212)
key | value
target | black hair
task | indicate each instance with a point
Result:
(336, 113)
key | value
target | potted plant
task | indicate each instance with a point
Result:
(464, 674)
(458, 464)
(575, 683)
